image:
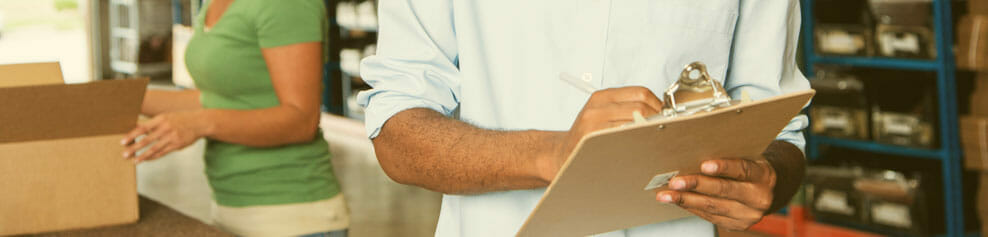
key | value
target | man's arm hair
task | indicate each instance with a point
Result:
(422, 147)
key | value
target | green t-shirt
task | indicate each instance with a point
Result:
(231, 73)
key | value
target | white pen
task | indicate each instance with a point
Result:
(578, 82)
(590, 89)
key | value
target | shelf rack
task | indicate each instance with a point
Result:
(949, 153)
(340, 86)
(332, 96)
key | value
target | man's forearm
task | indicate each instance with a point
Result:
(790, 167)
(424, 148)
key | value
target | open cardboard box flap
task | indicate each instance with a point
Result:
(60, 163)
(30, 74)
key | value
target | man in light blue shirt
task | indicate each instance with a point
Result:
(467, 100)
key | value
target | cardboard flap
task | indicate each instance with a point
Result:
(30, 74)
(65, 111)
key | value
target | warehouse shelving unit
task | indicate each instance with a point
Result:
(333, 100)
(127, 26)
(341, 86)
(948, 154)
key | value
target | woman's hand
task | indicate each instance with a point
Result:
(165, 133)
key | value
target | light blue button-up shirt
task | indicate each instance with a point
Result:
(498, 62)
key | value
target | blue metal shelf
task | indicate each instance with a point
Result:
(878, 147)
(949, 154)
(889, 63)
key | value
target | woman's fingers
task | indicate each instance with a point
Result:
(128, 139)
(141, 129)
(132, 150)
(156, 150)
(152, 134)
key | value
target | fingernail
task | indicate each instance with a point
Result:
(666, 198)
(709, 167)
(123, 142)
(126, 155)
(677, 184)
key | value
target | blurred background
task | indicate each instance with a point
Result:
(898, 142)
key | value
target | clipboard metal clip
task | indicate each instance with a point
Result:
(694, 92)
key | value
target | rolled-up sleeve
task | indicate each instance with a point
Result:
(415, 65)
(760, 67)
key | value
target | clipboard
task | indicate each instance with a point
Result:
(601, 187)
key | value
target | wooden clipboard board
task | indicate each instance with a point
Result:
(601, 187)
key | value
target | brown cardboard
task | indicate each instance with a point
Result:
(60, 111)
(977, 7)
(30, 74)
(974, 141)
(59, 184)
(601, 186)
(60, 154)
(972, 43)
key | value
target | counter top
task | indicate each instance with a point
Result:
(156, 220)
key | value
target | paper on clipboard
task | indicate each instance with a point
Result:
(600, 187)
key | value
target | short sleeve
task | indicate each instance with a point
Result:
(416, 62)
(285, 22)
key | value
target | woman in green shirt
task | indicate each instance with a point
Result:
(257, 65)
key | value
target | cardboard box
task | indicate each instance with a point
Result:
(972, 43)
(977, 7)
(60, 163)
(974, 141)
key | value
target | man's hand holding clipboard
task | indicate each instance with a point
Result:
(731, 192)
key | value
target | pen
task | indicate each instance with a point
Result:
(585, 86)
(579, 83)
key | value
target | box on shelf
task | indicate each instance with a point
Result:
(903, 114)
(977, 7)
(830, 194)
(881, 199)
(901, 129)
(972, 42)
(974, 141)
(60, 164)
(893, 201)
(840, 107)
(843, 40)
(843, 28)
(903, 12)
(905, 41)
